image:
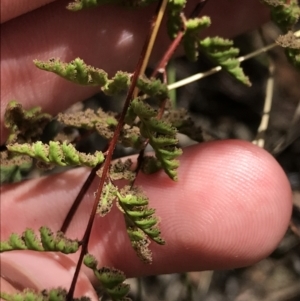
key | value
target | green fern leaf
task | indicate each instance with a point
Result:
(111, 279)
(61, 154)
(76, 71)
(221, 52)
(284, 13)
(31, 241)
(175, 22)
(140, 221)
(12, 168)
(47, 242)
(119, 83)
(153, 88)
(191, 36)
(161, 135)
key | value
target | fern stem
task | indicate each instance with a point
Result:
(168, 54)
(110, 151)
(156, 26)
(79, 198)
(175, 43)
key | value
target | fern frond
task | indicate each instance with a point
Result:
(140, 221)
(24, 125)
(119, 83)
(47, 242)
(193, 27)
(291, 43)
(61, 154)
(175, 21)
(161, 135)
(111, 279)
(284, 13)
(221, 52)
(12, 168)
(153, 88)
(77, 71)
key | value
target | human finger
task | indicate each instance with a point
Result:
(106, 37)
(230, 208)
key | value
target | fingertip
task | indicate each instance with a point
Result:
(248, 201)
(230, 207)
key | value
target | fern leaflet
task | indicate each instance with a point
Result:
(47, 242)
(62, 154)
(221, 51)
(111, 279)
(140, 221)
(161, 135)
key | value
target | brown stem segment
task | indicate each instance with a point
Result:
(78, 199)
(111, 148)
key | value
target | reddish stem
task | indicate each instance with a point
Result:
(110, 151)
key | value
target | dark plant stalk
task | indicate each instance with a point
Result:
(78, 199)
(111, 148)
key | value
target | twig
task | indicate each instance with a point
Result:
(261, 131)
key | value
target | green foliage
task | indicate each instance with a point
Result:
(221, 52)
(153, 88)
(24, 125)
(57, 294)
(76, 71)
(161, 135)
(140, 221)
(191, 36)
(80, 73)
(47, 242)
(119, 83)
(284, 13)
(111, 279)
(291, 43)
(13, 168)
(175, 22)
(62, 154)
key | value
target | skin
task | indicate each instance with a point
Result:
(231, 206)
